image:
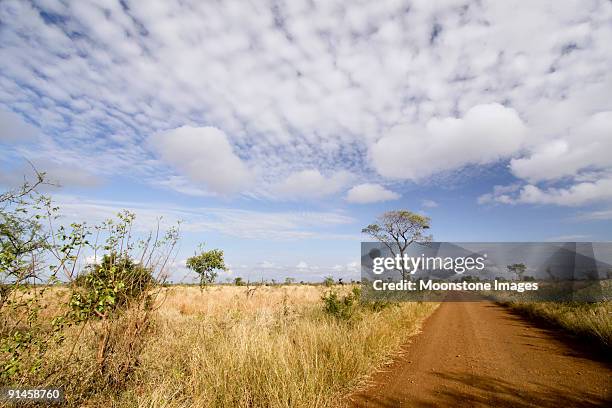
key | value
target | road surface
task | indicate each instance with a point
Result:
(479, 354)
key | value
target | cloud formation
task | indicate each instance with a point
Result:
(205, 155)
(398, 89)
(312, 184)
(485, 134)
(370, 193)
(575, 167)
(231, 222)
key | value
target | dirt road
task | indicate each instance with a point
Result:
(482, 355)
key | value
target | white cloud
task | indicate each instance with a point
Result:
(485, 134)
(182, 185)
(302, 265)
(205, 155)
(334, 86)
(574, 195)
(240, 223)
(577, 168)
(429, 204)
(14, 129)
(370, 193)
(350, 269)
(312, 184)
(500, 194)
(586, 146)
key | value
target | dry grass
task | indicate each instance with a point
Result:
(591, 320)
(274, 347)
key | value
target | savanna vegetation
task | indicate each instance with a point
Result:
(588, 320)
(112, 333)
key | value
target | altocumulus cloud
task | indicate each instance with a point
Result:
(305, 92)
(370, 193)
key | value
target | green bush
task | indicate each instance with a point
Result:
(346, 307)
(341, 307)
(110, 286)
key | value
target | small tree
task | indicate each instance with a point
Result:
(517, 269)
(289, 281)
(238, 281)
(397, 230)
(206, 264)
(328, 281)
(24, 242)
(23, 239)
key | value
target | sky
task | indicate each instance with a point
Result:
(277, 130)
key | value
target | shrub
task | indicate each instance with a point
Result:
(110, 286)
(341, 307)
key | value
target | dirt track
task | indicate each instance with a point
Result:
(480, 354)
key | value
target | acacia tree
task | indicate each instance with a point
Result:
(206, 264)
(397, 230)
(518, 269)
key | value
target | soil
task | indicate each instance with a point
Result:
(480, 354)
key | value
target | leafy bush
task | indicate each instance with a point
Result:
(328, 281)
(33, 251)
(341, 307)
(110, 286)
(346, 307)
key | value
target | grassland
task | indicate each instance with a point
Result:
(588, 320)
(227, 346)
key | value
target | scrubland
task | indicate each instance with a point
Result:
(231, 346)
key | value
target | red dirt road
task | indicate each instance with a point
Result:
(481, 355)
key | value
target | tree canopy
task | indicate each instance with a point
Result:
(206, 264)
(398, 229)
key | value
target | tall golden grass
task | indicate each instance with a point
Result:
(590, 320)
(231, 346)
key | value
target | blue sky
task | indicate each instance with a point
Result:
(277, 130)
